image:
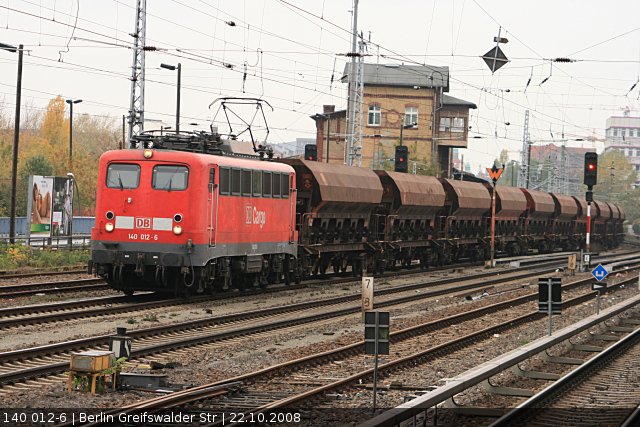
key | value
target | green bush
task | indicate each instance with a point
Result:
(14, 257)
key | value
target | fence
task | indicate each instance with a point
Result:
(81, 225)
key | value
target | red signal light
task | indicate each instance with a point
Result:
(401, 159)
(591, 166)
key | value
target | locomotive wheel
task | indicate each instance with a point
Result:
(128, 292)
(287, 278)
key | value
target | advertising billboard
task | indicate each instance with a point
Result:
(50, 204)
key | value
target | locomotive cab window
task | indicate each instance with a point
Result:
(235, 181)
(257, 183)
(246, 183)
(276, 184)
(284, 181)
(123, 176)
(170, 178)
(266, 184)
(225, 181)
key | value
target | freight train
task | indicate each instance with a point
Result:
(196, 219)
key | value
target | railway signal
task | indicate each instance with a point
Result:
(311, 152)
(376, 341)
(494, 173)
(590, 179)
(590, 169)
(550, 297)
(402, 155)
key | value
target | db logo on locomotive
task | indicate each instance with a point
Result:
(254, 216)
(144, 223)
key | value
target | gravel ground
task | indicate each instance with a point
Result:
(34, 335)
(224, 360)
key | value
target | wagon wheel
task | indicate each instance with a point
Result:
(424, 261)
(344, 265)
(335, 263)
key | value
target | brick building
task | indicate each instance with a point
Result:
(395, 96)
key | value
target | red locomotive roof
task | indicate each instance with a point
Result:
(192, 158)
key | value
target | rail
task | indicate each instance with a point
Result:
(488, 369)
(565, 381)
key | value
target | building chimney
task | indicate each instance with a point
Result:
(328, 109)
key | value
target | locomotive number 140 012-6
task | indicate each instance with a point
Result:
(142, 236)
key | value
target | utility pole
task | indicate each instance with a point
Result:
(16, 141)
(136, 109)
(525, 157)
(328, 119)
(353, 78)
(71, 102)
(360, 102)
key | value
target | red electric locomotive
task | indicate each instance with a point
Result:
(185, 221)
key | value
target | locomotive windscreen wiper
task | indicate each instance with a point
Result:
(170, 183)
(120, 181)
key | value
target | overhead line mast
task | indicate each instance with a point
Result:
(353, 87)
(136, 109)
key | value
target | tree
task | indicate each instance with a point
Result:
(44, 150)
(615, 176)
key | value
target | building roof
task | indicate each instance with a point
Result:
(403, 75)
(456, 102)
(331, 115)
(538, 151)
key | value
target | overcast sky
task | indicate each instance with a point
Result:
(291, 48)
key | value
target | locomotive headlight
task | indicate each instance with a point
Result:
(109, 227)
(147, 153)
(177, 230)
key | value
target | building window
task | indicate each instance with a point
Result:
(457, 124)
(374, 115)
(445, 124)
(452, 124)
(638, 152)
(411, 115)
(615, 132)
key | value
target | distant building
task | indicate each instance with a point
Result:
(393, 96)
(292, 149)
(623, 134)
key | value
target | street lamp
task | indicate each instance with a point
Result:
(172, 68)
(71, 102)
(16, 139)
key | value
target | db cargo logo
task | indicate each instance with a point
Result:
(254, 216)
(143, 222)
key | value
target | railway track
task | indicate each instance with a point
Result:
(604, 391)
(104, 306)
(67, 270)
(51, 360)
(298, 382)
(18, 365)
(30, 289)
